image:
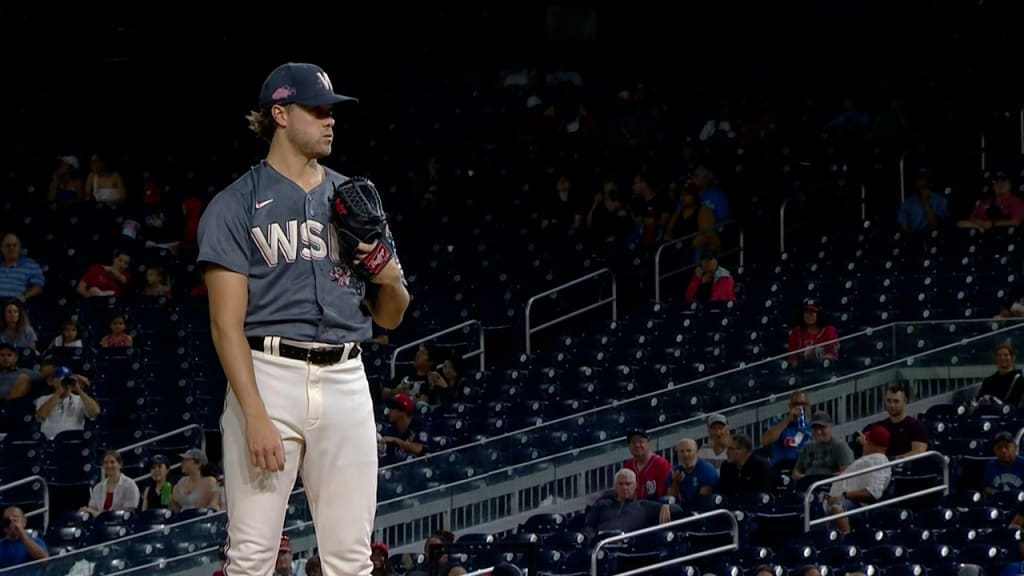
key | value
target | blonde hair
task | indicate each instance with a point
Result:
(262, 124)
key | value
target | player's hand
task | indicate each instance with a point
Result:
(266, 451)
(390, 274)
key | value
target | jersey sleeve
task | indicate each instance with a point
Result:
(223, 233)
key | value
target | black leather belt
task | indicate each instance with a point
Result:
(318, 355)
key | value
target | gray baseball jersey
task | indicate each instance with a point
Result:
(266, 227)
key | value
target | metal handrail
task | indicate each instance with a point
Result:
(1022, 129)
(202, 437)
(809, 496)
(903, 178)
(559, 288)
(481, 571)
(45, 510)
(435, 335)
(735, 531)
(719, 227)
(782, 219)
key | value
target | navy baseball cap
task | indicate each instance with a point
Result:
(158, 459)
(299, 83)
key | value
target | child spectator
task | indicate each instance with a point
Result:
(157, 284)
(69, 337)
(118, 337)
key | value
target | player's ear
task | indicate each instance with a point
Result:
(280, 114)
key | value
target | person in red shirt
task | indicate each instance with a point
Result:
(1000, 208)
(100, 280)
(651, 469)
(815, 336)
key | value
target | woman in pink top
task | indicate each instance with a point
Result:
(815, 334)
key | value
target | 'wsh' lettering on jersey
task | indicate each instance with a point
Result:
(309, 240)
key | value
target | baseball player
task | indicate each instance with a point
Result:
(298, 262)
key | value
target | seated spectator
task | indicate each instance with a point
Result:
(692, 477)
(21, 277)
(866, 488)
(710, 195)
(814, 337)
(693, 219)
(18, 546)
(788, 433)
(1006, 472)
(195, 489)
(314, 568)
(609, 221)
(115, 491)
(103, 184)
(66, 187)
(562, 211)
(416, 384)
(1001, 208)
(744, 473)
(825, 456)
(925, 210)
(716, 449)
(379, 558)
(623, 511)
(406, 437)
(1005, 385)
(907, 435)
(710, 282)
(118, 336)
(67, 407)
(110, 280)
(69, 337)
(18, 331)
(157, 493)
(157, 283)
(14, 381)
(652, 471)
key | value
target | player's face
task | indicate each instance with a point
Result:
(311, 130)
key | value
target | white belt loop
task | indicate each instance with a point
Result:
(275, 345)
(267, 346)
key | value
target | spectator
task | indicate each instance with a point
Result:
(623, 511)
(716, 449)
(314, 568)
(808, 570)
(118, 336)
(1006, 472)
(110, 280)
(1001, 208)
(692, 477)
(710, 282)
(66, 188)
(14, 382)
(907, 435)
(158, 490)
(693, 219)
(825, 456)
(866, 488)
(562, 212)
(710, 195)
(114, 491)
(195, 489)
(651, 470)
(379, 557)
(103, 184)
(18, 331)
(744, 473)
(69, 337)
(417, 384)
(609, 221)
(788, 433)
(407, 437)
(1005, 385)
(19, 546)
(67, 407)
(925, 210)
(20, 276)
(814, 339)
(283, 567)
(157, 283)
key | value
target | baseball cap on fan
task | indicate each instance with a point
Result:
(299, 83)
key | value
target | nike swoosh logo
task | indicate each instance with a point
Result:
(264, 203)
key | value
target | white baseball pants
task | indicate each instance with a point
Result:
(325, 417)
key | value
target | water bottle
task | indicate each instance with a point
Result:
(801, 420)
(165, 494)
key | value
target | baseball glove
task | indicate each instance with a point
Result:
(357, 215)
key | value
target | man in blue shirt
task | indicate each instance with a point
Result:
(1006, 472)
(692, 477)
(18, 546)
(925, 210)
(789, 432)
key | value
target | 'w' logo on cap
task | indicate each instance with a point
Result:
(324, 80)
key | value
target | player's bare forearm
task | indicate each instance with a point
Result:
(389, 306)
(228, 293)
